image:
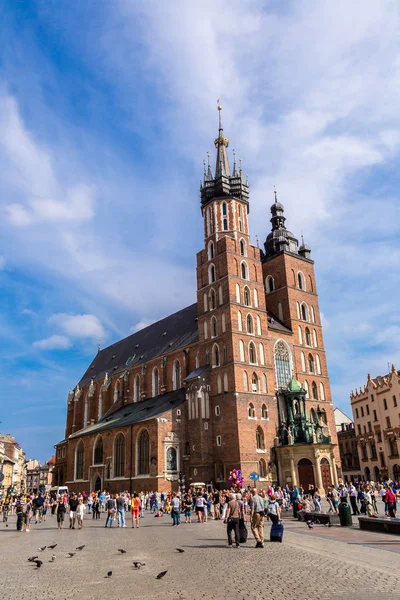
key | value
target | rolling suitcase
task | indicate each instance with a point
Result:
(276, 534)
(242, 532)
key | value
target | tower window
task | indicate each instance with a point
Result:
(242, 248)
(301, 282)
(269, 284)
(210, 250)
(311, 366)
(215, 356)
(264, 411)
(245, 382)
(211, 274)
(249, 324)
(251, 411)
(282, 363)
(244, 270)
(304, 312)
(308, 337)
(314, 391)
(246, 296)
(224, 209)
(254, 383)
(177, 375)
(214, 328)
(252, 353)
(260, 439)
(213, 303)
(225, 224)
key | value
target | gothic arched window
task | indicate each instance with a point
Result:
(308, 337)
(262, 468)
(251, 411)
(215, 356)
(119, 456)
(311, 367)
(301, 282)
(156, 379)
(252, 353)
(314, 390)
(211, 274)
(282, 363)
(224, 209)
(260, 439)
(242, 245)
(264, 411)
(246, 296)
(79, 460)
(210, 250)
(304, 312)
(212, 298)
(254, 383)
(144, 453)
(245, 381)
(214, 328)
(136, 389)
(249, 324)
(269, 284)
(244, 270)
(98, 452)
(177, 375)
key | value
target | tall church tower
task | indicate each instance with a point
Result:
(291, 294)
(233, 324)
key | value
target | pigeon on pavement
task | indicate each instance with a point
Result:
(108, 575)
(42, 549)
(180, 550)
(52, 547)
(137, 564)
(38, 563)
(71, 554)
(32, 558)
(122, 550)
(161, 575)
(80, 547)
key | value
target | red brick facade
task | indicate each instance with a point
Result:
(215, 430)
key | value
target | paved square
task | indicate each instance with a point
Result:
(318, 564)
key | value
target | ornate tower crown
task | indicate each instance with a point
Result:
(224, 183)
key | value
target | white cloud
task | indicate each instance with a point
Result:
(30, 171)
(79, 326)
(54, 342)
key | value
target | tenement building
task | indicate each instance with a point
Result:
(237, 380)
(347, 447)
(376, 413)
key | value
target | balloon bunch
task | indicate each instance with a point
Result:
(236, 478)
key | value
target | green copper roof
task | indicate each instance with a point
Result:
(294, 385)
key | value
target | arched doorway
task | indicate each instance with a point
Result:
(377, 475)
(325, 473)
(97, 484)
(306, 473)
(367, 472)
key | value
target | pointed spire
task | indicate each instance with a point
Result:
(276, 195)
(98, 346)
(221, 144)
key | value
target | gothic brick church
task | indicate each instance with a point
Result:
(237, 380)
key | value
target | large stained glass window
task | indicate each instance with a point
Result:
(282, 364)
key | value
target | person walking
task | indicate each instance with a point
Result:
(353, 499)
(187, 505)
(273, 509)
(257, 518)
(60, 512)
(111, 507)
(135, 506)
(96, 508)
(390, 500)
(19, 513)
(176, 510)
(79, 513)
(73, 504)
(120, 502)
(233, 515)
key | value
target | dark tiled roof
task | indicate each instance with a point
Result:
(176, 331)
(276, 324)
(136, 413)
(196, 373)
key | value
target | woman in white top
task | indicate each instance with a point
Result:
(200, 508)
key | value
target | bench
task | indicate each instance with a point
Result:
(383, 525)
(320, 518)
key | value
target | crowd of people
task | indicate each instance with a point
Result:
(234, 508)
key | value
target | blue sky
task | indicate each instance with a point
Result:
(107, 110)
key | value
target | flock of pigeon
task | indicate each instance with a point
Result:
(136, 563)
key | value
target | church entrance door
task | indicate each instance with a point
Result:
(97, 484)
(306, 473)
(326, 473)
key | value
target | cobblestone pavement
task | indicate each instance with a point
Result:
(321, 563)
